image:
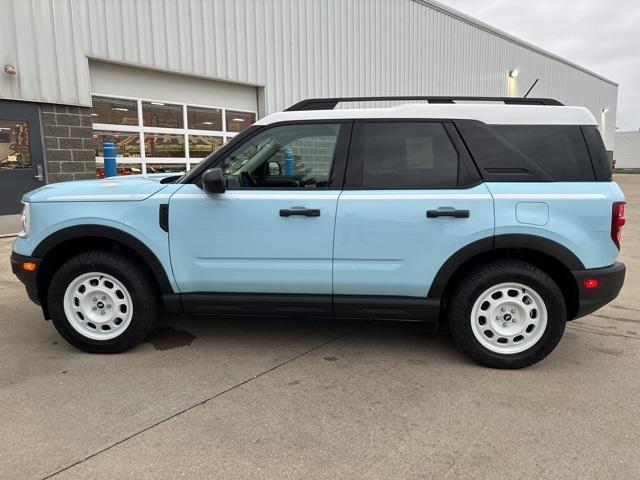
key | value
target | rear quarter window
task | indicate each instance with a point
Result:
(559, 150)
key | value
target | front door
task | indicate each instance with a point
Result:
(272, 230)
(21, 159)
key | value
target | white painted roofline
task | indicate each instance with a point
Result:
(491, 114)
(500, 33)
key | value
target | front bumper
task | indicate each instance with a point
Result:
(29, 279)
(610, 282)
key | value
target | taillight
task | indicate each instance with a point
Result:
(617, 221)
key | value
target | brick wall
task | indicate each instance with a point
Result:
(68, 143)
(312, 156)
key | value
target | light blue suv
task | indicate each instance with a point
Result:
(499, 219)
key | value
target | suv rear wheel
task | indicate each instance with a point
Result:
(507, 314)
(102, 302)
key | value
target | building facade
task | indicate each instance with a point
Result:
(170, 81)
(627, 153)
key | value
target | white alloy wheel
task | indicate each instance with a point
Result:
(98, 306)
(508, 318)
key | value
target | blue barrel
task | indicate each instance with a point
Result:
(288, 162)
(109, 149)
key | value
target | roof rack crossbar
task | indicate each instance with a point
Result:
(330, 103)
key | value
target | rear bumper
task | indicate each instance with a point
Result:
(591, 299)
(29, 279)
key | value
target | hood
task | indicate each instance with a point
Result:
(114, 189)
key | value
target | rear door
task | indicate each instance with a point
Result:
(412, 199)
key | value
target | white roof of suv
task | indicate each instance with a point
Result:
(493, 114)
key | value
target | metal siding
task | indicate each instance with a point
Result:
(295, 48)
(627, 154)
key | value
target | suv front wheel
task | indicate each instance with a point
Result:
(507, 314)
(102, 302)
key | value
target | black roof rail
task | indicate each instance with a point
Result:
(330, 103)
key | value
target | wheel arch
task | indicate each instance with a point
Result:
(58, 247)
(549, 255)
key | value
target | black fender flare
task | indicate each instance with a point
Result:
(110, 233)
(485, 245)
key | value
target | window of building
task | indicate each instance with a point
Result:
(201, 146)
(14, 145)
(116, 111)
(166, 168)
(175, 136)
(160, 114)
(406, 155)
(200, 118)
(127, 144)
(238, 121)
(161, 145)
(294, 156)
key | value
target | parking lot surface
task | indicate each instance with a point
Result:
(225, 398)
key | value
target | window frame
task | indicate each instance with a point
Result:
(186, 132)
(468, 174)
(338, 164)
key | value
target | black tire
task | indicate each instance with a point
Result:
(135, 279)
(495, 273)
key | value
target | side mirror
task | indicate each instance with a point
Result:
(213, 181)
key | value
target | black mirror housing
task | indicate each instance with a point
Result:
(213, 181)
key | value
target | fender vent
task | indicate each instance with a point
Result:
(164, 217)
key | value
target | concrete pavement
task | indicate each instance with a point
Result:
(293, 398)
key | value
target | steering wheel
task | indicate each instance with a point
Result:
(248, 180)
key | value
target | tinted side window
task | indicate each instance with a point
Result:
(288, 156)
(408, 155)
(559, 150)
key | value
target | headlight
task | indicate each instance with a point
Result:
(26, 220)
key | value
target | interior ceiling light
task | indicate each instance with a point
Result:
(514, 73)
(207, 123)
(237, 119)
(158, 103)
(121, 109)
